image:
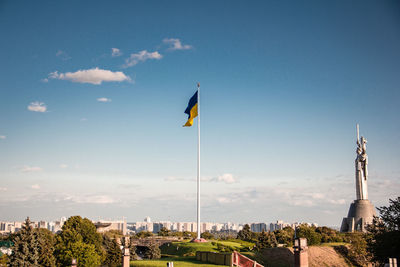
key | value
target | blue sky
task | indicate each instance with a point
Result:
(93, 94)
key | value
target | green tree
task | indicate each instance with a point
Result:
(357, 251)
(188, 234)
(207, 235)
(285, 236)
(384, 241)
(266, 240)
(113, 250)
(245, 233)
(144, 234)
(78, 233)
(85, 254)
(164, 232)
(153, 252)
(25, 251)
(313, 238)
(46, 242)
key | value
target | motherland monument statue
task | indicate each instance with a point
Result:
(361, 167)
(361, 212)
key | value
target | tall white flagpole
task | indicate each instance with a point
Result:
(198, 161)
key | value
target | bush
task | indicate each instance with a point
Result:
(207, 235)
(313, 238)
(153, 252)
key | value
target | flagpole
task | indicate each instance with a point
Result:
(198, 161)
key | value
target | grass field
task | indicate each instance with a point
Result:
(182, 253)
(187, 248)
(178, 262)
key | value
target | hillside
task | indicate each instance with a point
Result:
(317, 256)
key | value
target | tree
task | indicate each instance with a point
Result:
(164, 232)
(188, 234)
(25, 251)
(46, 242)
(85, 254)
(207, 235)
(384, 241)
(144, 234)
(245, 233)
(153, 252)
(313, 238)
(266, 240)
(357, 251)
(79, 240)
(113, 250)
(285, 236)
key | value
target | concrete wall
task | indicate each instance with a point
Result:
(214, 257)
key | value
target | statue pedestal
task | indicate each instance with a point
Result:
(361, 213)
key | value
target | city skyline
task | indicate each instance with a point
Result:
(93, 105)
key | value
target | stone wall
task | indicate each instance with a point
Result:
(214, 257)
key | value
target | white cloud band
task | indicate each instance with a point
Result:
(176, 44)
(93, 76)
(104, 99)
(37, 107)
(142, 56)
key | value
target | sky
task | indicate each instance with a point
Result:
(92, 96)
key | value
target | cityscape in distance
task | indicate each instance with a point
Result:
(154, 227)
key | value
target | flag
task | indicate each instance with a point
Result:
(191, 110)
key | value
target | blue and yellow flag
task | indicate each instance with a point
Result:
(191, 110)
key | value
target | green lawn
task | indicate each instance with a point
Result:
(178, 262)
(187, 248)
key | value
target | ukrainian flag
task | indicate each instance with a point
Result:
(191, 110)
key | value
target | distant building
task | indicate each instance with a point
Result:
(104, 226)
(258, 227)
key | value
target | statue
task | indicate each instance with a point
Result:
(361, 212)
(361, 167)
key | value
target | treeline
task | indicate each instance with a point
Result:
(285, 236)
(78, 240)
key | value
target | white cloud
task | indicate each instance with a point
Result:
(142, 56)
(45, 80)
(31, 169)
(303, 203)
(176, 44)
(337, 201)
(226, 178)
(104, 99)
(3, 137)
(63, 55)
(224, 200)
(315, 195)
(83, 119)
(37, 106)
(63, 166)
(93, 76)
(3, 188)
(91, 199)
(115, 52)
(35, 186)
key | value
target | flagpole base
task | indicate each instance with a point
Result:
(201, 240)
